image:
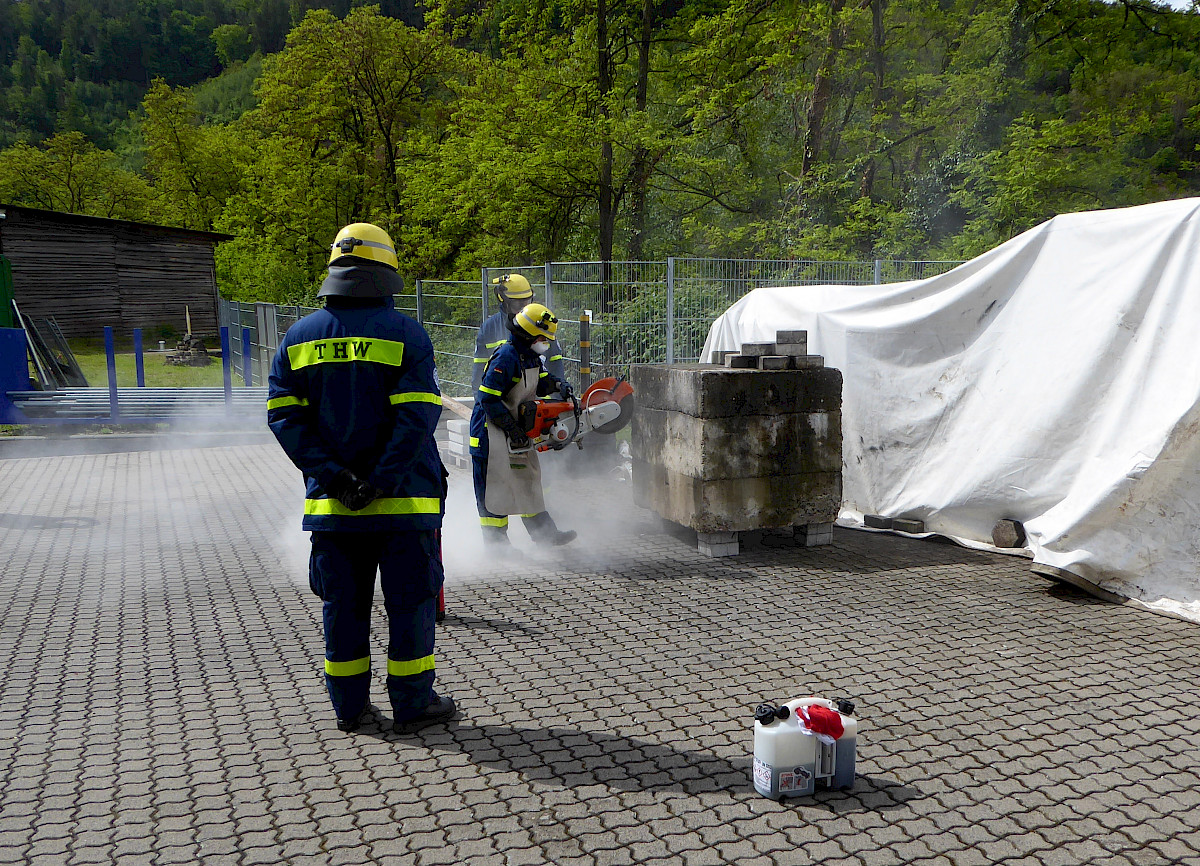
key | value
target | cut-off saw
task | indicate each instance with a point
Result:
(551, 425)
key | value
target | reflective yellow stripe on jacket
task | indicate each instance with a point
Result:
(280, 402)
(387, 505)
(337, 351)
(410, 668)
(416, 397)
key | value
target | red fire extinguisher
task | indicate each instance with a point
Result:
(441, 608)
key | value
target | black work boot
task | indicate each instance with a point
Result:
(350, 725)
(440, 709)
(543, 531)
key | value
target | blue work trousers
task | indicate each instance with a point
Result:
(342, 572)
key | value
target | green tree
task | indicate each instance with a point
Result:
(68, 173)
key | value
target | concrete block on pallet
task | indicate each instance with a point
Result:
(737, 504)
(458, 447)
(791, 337)
(758, 349)
(718, 543)
(814, 534)
(740, 362)
(738, 447)
(775, 362)
(459, 427)
(703, 391)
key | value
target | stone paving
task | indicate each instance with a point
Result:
(163, 701)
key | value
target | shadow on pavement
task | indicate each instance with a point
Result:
(572, 758)
(493, 624)
(32, 521)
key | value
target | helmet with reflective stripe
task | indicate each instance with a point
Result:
(536, 321)
(364, 241)
(512, 287)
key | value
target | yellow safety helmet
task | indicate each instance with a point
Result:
(364, 241)
(536, 321)
(512, 287)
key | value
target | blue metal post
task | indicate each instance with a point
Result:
(247, 375)
(137, 358)
(227, 366)
(110, 352)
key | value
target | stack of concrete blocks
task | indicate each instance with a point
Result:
(788, 352)
(732, 452)
(457, 452)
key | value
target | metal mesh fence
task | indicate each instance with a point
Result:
(641, 312)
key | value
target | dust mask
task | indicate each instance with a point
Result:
(541, 347)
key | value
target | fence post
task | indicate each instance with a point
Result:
(585, 350)
(247, 358)
(670, 309)
(484, 295)
(420, 304)
(138, 361)
(111, 359)
(878, 272)
(547, 267)
(226, 366)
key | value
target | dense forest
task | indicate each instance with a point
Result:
(503, 131)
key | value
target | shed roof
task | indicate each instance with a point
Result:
(80, 219)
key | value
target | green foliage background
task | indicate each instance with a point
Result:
(502, 132)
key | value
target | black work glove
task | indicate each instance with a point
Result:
(350, 490)
(509, 427)
(518, 440)
(566, 390)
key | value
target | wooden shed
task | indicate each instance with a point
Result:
(89, 272)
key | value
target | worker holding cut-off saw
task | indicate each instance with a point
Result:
(504, 461)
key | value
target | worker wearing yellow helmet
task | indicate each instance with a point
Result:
(515, 373)
(353, 398)
(513, 292)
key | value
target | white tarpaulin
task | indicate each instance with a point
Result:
(1054, 380)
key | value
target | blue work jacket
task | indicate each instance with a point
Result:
(493, 334)
(355, 387)
(503, 371)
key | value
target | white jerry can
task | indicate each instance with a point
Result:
(795, 748)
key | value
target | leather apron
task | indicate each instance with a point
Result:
(514, 481)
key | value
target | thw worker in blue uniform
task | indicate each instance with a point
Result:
(514, 293)
(506, 482)
(354, 400)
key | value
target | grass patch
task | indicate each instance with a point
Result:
(159, 374)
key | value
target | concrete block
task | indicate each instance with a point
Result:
(1008, 533)
(907, 524)
(791, 348)
(738, 447)
(806, 362)
(703, 391)
(458, 447)
(775, 362)
(739, 362)
(791, 337)
(737, 504)
(714, 550)
(758, 349)
(459, 427)
(719, 356)
(877, 521)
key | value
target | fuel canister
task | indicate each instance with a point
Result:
(804, 742)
